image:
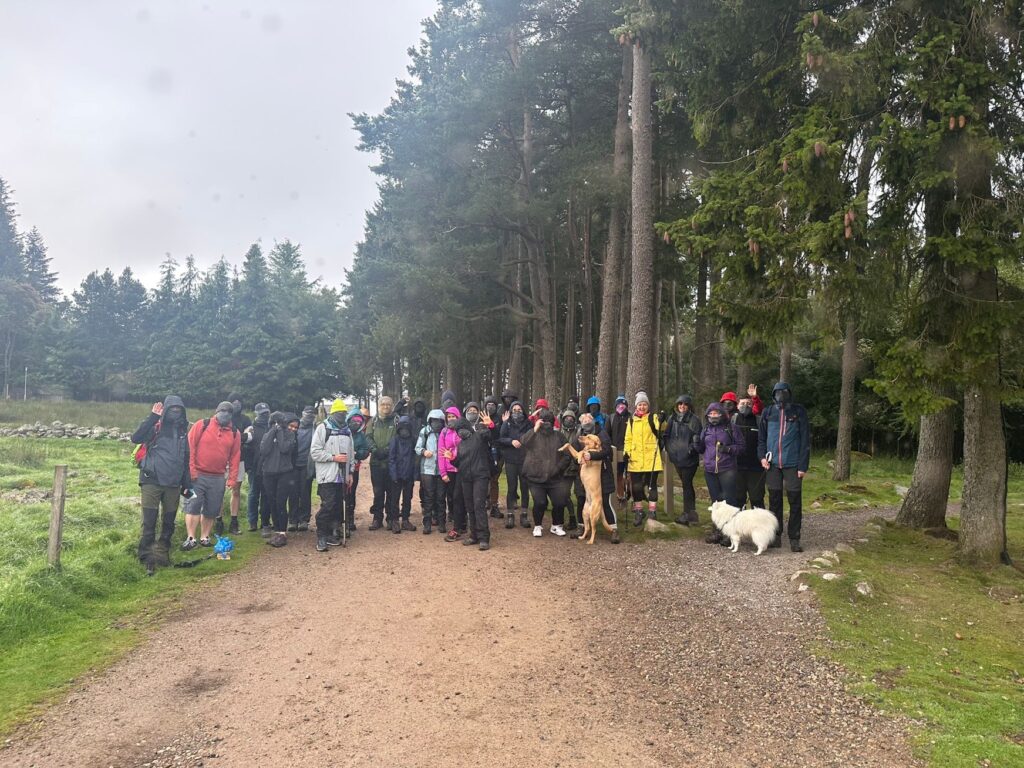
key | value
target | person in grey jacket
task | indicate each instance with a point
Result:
(278, 452)
(300, 507)
(333, 453)
(163, 476)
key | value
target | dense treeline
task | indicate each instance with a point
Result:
(588, 197)
(264, 331)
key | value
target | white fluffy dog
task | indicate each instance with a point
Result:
(758, 525)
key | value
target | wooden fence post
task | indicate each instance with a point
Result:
(60, 477)
(670, 496)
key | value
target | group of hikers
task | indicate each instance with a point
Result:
(457, 455)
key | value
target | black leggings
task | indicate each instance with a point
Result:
(555, 490)
(279, 489)
(517, 486)
(645, 486)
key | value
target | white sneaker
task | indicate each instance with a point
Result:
(538, 531)
(557, 530)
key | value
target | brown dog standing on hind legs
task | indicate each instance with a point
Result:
(590, 475)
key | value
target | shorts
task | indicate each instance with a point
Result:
(209, 498)
(241, 473)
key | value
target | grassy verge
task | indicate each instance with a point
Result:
(124, 416)
(56, 626)
(937, 642)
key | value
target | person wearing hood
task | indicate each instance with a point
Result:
(720, 443)
(361, 446)
(514, 428)
(258, 509)
(241, 423)
(380, 432)
(215, 450)
(306, 470)
(544, 466)
(588, 426)
(594, 409)
(508, 397)
(493, 411)
(402, 472)
(617, 423)
(332, 452)
(278, 456)
(431, 487)
(163, 477)
(784, 448)
(447, 449)
(448, 400)
(573, 484)
(750, 475)
(642, 450)
(473, 460)
(681, 430)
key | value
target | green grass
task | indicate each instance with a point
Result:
(56, 626)
(124, 416)
(938, 642)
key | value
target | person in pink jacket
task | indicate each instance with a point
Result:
(447, 450)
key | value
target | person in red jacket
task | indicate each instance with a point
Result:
(215, 448)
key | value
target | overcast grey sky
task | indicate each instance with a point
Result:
(135, 129)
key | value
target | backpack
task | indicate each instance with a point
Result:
(139, 454)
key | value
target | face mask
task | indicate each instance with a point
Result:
(729, 406)
(174, 414)
(404, 433)
(746, 410)
(452, 422)
(307, 419)
(263, 418)
(419, 409)
(492, 409)
(357, 425)
(518, 416)
(620, 408)
(588, 428)
(465, 434)
(594, 410)
(436, 425)
(236, 407)
(472, 417)
(223, 418)
(781, 397)
(715, 419)
(569, 422)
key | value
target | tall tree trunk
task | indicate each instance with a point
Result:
(540, 284)
(677, 351)
(844, 439)
(703, 382)
(742, 377)
(655, 390)
(569, 342)
(624, 305)
(641, 318)
(587, 307)
(516, 380)
(983, 514)
(608, 346)
(786, 361)
(925, 503)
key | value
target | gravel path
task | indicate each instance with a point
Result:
(407, 651)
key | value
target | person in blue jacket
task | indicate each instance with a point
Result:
(784, 447)
(594, 409)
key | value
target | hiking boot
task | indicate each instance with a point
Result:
(233, 527)
(615, 535)
(524, 520)
(470, 542)
(496, 512)
(571, 526)
(484, 546)
(652, 514)
(426, 526)
(510, 520)
(333, 541)
(321, 543)
(278, 540)
(218, 526)
(714, 537)
(776, 542)
(253, 529)
(407, 525)
(794, 545)
(160, 554)
(682, 520)
(292, 528)
(302, 527)
(376, 524)
(638, 517)
(396, 527)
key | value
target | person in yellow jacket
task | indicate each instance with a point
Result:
(643, 457)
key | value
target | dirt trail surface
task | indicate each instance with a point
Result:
(404, 650)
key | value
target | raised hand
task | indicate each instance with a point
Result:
(751, 390)
(158, 409)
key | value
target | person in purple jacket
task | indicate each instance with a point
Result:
(447, 450)
(720, 442)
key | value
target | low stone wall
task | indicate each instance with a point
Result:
(59, 429)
